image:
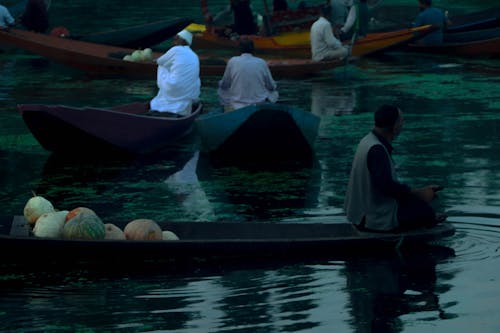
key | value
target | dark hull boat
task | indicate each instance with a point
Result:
(138, 36)
(261, 131)
(201, 241)
(123, 128)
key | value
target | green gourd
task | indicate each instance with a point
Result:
(84, 226)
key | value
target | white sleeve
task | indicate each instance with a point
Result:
(351, 18)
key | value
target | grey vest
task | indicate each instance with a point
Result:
(363, 200)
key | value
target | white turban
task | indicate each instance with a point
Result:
(186, 35)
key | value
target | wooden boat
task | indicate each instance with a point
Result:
(393, 17)
(123, 128)
(138, 36)
(100, 60)
(297, 44)
(261, 131)
(464, 44)
(200, 241)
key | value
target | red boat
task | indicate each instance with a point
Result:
(104, 60)
(123, 128)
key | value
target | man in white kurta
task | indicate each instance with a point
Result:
(324, 45)
(247, 80)
(178, 77)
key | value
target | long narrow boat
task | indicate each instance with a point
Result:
(297, 44)
(100, 60)
(392, 17)
(464, 45)
(137, 36)
(210, 240)
(262, 131)
(124, 128)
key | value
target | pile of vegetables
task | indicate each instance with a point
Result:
(84, 223)
(140, 55)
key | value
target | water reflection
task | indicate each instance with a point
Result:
(327, 100)
(384, 289)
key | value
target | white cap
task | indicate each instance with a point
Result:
(186, 35)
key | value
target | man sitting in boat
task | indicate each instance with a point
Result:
(247, 80)
(434, 16)
(6, 19)
(178, 77)
(375, 199)
(324, 45)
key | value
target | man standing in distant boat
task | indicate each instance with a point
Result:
(178, 77)
(434, 16)
(375, 199)
(35, 16)
(356, 22)
(247, 80)
(324, 45)
(6, 19)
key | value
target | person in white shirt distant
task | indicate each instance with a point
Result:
(324, 45)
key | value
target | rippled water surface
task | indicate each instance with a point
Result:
(452, 120)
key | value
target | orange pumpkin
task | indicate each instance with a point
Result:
(143, 229)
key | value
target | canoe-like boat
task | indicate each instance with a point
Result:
(209, 240)
(392, 17)
(260, 131)
(124, 128)
(99, 60)
(297, 44)
(138, 36)
(464, 44)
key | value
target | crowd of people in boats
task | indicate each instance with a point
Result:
(375, 199)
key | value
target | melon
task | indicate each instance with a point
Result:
(36, 207)
(50, 224)
(72, 213)
(169, 235)
(84, 225)
(147, 54)
(113, 232)
(143, 229)
(136, 55)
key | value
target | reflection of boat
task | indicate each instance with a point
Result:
(105, 60)
(298, 43)
(124, 127)
(259, 131)
(137, 36)
(215, 239)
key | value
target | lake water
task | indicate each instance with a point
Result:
(452, 124)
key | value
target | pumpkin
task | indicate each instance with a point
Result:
(72, 213)
(84, 225)
(35, 207)
(50, 224)
(143, 229)
(113, 232)
(169, 235)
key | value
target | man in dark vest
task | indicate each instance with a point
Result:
(375, 199)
